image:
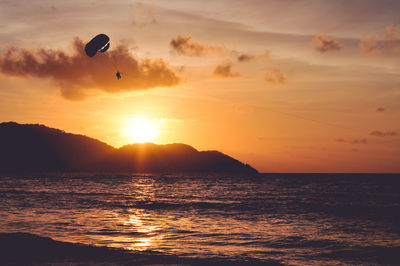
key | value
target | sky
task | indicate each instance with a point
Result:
(286, 86)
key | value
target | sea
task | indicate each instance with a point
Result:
(292, 219)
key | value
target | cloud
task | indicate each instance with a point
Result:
(359, 141)
(186, 45)
(392, 38)
(75, 74)
(380, 109)
(246, 58)
(243, 58)
(378, 133)
(370, 46)
(354, 142)
(225, 70)
(275, 76)
(323, 44)
(392, 32)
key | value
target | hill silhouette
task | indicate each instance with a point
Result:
(37, 148)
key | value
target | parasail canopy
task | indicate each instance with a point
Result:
(100, 43)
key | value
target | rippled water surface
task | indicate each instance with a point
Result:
(293, 219)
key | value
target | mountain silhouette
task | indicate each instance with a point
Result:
(37, 148)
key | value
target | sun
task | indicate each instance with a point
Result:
(141, 130)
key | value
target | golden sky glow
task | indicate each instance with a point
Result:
(140, 130)
(286, 86)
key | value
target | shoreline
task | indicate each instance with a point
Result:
(26, 248)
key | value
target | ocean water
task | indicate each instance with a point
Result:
(292, 219)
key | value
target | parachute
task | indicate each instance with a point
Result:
(105, 48)
(100, 43)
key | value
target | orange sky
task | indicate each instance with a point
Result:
(286, 86)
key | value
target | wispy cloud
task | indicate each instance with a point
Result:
(392, 38)
(225, 70)
(380, 109)
(324, 44)
(186, 45)
(392, 32)
(244, 58)
(359, 141)
(378, 133)
(275, 76)
(370, 46)
(75, 73)
(354, 141)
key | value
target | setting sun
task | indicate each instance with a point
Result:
(141, 130)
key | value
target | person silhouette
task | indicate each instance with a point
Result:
(118, 74)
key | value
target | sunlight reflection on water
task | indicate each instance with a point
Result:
(302, 220)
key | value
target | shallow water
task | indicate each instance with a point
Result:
(292, 219)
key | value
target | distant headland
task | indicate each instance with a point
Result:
(37, 148)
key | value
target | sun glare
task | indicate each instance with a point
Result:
(141, 130)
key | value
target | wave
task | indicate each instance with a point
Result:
(25, 248)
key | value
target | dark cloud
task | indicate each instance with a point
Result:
(275, 76)
(323, 44)
(378, 133)
(186, 45)
(225, 70)
(77, 73)
(246, 58)
(380, 109)
(340, 140)
(243, 58)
